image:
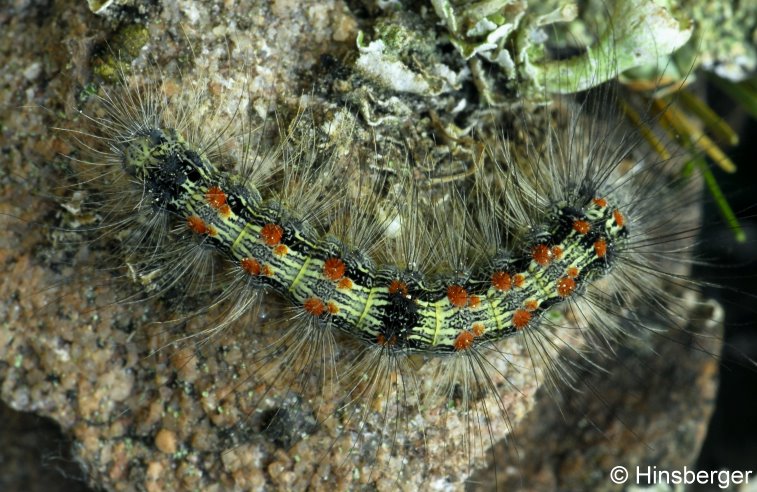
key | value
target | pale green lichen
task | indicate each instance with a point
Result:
(513, 36)
(123, 47)
(99, 6)
(725, 41)
(441, 67)
(403, 57)
(509, 49)
(482, 28)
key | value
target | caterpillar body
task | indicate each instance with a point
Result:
(420, 322)
(341, 288)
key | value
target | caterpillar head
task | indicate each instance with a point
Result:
(164, 162)
(144, 150)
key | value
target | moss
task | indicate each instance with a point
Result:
(123, 47)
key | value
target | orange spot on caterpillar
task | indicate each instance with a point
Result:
(556, 252)
(314, 306)
(478, 329)
(531, 304)
(272, 234)
(212, 231)
(344, 284)
(398, 286)
(619, 219)
(521, 318)
(224, 211)
(565, 286)
(600, 202)
(215, 197)
(572, 272)
(600, 248)
(464, 341)
(457, 295)
(280, 250)
(381, 340)
(501, 281)
(474, 302)
(332, 307)
(519, 280)
(197, 225)
(267, 271)
(541, 254)
(251, 266)
(581, 226)
(334, 268)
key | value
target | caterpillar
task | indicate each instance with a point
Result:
(341, 289)
(163, 176)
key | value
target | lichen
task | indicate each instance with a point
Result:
(725, 41)
(124, 46)
(428, 75)
(514, 37)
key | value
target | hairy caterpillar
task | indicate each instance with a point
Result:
(453, 255)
